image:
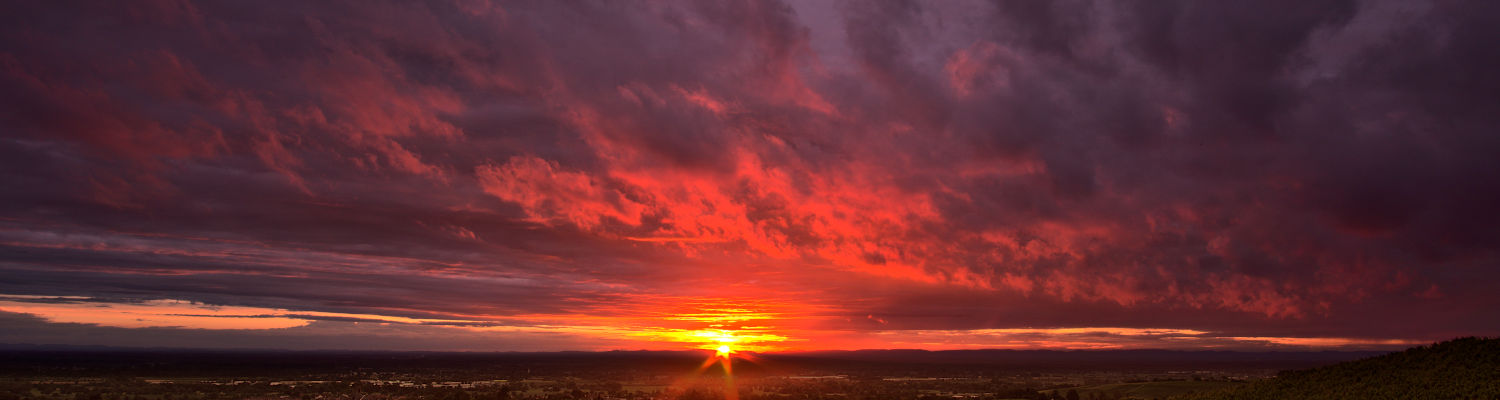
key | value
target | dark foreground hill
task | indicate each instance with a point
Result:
(1467, 368)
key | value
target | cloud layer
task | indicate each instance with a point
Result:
(1304, 174)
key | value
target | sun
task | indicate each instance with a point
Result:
(724, 350)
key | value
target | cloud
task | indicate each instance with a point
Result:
(1307, 171)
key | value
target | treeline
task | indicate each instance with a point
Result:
(1465, 368)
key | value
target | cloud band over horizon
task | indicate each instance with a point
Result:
(803, 175)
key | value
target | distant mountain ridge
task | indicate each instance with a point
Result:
(1464, 368)
(1065, 359)
(103, 359)
(1085, 358)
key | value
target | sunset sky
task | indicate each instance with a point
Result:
(783, 176)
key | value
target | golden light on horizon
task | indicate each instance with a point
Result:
(725, 325)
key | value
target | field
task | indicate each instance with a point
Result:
(863, 375)
(1147, 390)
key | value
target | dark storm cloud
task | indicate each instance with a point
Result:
(1287, 169)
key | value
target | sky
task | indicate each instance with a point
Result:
(782, 176)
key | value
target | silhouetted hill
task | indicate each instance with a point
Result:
(83, 361)
(1466, 368)
(1097, 359)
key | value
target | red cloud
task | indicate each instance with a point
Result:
(925, 166)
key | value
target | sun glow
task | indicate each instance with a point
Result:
(743, 325)
(724, 350)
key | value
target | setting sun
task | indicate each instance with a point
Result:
(724, 350)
